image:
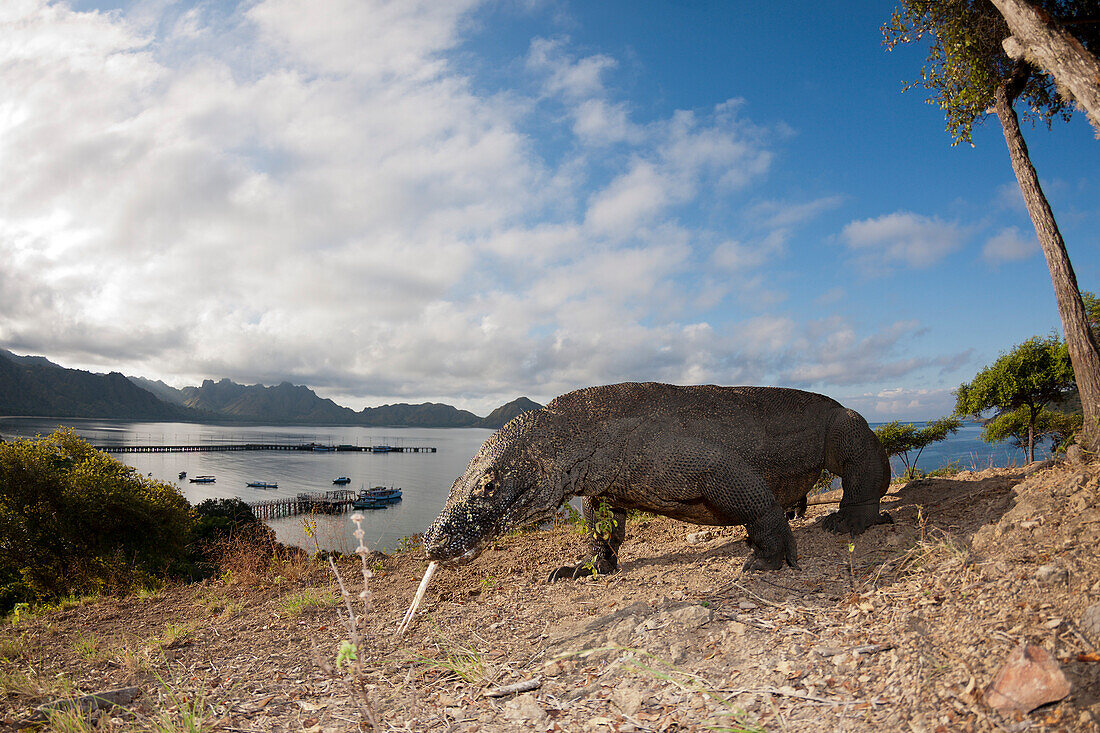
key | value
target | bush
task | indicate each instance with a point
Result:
(74, 520)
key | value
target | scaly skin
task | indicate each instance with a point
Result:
(707, 455)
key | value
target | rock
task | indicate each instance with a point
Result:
(994, 570)
(1074, 455)
(698, 538)
(524, 708)
(627, 699)
(690, 617)
(1090, 623)
(1035, 466)
(1052, 574)
(1029, 678)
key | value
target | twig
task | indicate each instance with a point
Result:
(866, 649)
(526, 685)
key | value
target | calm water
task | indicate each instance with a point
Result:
(425, 478)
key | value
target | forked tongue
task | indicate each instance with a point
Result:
(428, 572)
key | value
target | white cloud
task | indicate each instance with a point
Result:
(901, 238)
(573, 78)
(321, 195)
(1009, 244)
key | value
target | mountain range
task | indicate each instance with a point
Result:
(35, 386)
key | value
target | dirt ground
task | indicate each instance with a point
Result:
(902, 630)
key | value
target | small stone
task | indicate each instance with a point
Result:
(1052, 574)
(1074, 455)
(1090, 622)
(627, 699)
(1029, 524)
(994, 570)
(698, 538)
(524, 708)
(691, 617)
(746, 605)
(1029, 678)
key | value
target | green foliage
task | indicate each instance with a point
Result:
(966, 62)
(217, 519)
(899, 439)
(1034, 374)
(605, 521)
(1092, 313)
(1014, 426)
(74, 520)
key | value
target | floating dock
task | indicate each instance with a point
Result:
(217, 447)
(327, 502)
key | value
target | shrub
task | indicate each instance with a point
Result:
(74, 520)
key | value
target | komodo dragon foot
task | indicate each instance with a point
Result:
(855, 519)
(590, 568)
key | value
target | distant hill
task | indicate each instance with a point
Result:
(36, 387)
(162, 391)
(284, 403)
(504, 413)
(425, 415)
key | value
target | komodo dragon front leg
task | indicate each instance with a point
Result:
(606, 530)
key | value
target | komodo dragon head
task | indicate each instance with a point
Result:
(507, 484)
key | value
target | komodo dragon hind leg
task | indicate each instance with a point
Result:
(606, 531)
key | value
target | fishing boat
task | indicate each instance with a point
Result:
(342, 480)
(263, 484)
(377, 498)
(381, 448)
(203, 480)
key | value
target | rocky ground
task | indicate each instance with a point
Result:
(903, 629)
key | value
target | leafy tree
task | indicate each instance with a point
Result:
(969, 74)
(899, 439)
(75, 520)
(1033, 375)
(1014, 426)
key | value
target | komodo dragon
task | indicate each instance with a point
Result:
(708, 455)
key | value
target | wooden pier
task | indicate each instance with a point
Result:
(217, 447)
(326, 502)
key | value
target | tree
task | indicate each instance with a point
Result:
(1044, 42)
(1058, 426)
(1033, 375)
(75, 520)
(970, 74)
(899, 439)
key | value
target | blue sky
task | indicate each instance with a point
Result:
(469, 201)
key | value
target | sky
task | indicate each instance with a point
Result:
(468, 201)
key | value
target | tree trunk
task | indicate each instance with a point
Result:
(1031, 436)
(1079, 341)
(1038, 38)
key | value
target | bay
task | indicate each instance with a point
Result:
(425, 478)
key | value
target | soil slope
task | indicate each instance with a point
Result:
(901, 630)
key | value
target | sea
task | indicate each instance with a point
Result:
(425, 478)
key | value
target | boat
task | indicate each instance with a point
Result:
(263, 484)
(183, 474)
(381, 448)
(342, 480)
(377, 498)
(323, 449)
(203, 480)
